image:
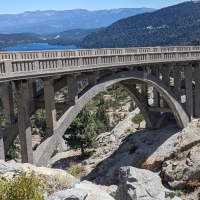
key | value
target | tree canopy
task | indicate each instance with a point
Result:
(82, 132)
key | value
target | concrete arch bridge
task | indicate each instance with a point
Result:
(173, 72)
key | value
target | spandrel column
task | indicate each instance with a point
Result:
(49, 98)
(166, 79)
(156, 95)
(177, 82)
(72, 89)
(197, 90)
(189, 93)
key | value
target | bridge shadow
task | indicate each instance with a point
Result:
(135, 150)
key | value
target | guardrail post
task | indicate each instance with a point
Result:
(36, 65)
(8, 66)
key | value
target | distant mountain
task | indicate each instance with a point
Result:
(174, 25)
(50, 21)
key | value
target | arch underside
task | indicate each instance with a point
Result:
(46, 148)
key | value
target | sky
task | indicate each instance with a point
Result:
(20, 6)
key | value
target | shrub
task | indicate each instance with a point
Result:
(78, 171)
(24, 186)
(178, 193)
(138, 118)
(192, 185)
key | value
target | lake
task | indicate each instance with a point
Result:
(38, 47)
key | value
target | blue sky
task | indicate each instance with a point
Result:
(19, 6)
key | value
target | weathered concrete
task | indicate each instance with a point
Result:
(24, 121)
(72, 89)
(189, 92)
(156, 95)
(50, 105)
(141, 104)
(166, 79)
(8, 105)
(177, 81)
(197, 90)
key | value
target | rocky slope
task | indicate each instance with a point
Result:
(169, 151)
(134, 184)
(168, 155)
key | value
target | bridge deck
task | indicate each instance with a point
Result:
(19, 65)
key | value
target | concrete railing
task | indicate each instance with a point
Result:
(59, 61)
(92, 52)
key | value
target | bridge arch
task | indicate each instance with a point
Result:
(45, 149)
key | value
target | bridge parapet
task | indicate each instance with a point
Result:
(35, 64)
(91, 52)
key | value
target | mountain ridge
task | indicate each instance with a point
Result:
(173, 25)
(51, 21)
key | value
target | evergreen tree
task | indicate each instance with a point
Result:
(82, 132)
(102, 118)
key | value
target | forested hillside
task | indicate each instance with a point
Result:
(174, 25)
(15, 39)
(69, 37)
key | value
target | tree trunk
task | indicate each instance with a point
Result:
(82, 151)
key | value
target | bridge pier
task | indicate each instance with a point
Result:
(166, 79)
(32, 96)
(49, 106)
(92, 79)
(156, 95)
(189, 92)
(177, 81)
(197, 90)
(72, 89)
(24, 121)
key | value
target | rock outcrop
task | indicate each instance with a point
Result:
(140, 184)
(82, 191)
(70, 194)
(8, 168)
(183, 169)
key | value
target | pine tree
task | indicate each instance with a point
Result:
(82, 132)
(102, 119)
